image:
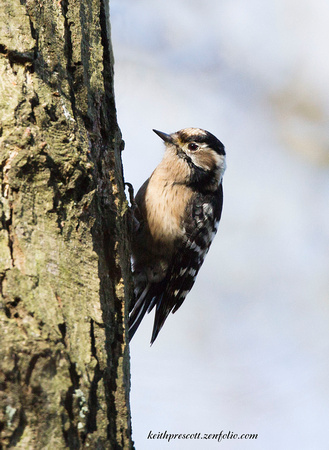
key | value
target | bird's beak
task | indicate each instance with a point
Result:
(166, 137)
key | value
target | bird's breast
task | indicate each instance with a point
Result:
(165, 205)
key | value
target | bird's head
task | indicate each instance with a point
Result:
(202, 152)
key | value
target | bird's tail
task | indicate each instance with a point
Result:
(139, 310)
(146, 300)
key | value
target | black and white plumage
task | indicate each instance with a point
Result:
(178, 209)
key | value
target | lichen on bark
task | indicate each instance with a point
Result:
(64, 251)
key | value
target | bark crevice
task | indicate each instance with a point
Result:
(69, 54)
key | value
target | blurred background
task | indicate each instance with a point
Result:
(248, 350)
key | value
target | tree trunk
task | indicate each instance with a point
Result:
(64, 251)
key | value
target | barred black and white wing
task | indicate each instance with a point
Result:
(201, 220)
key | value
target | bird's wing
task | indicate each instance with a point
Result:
(203, 215)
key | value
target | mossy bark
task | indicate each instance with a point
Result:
(64, 251)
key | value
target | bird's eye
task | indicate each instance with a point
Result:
(193, 146)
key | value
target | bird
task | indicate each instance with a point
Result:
(177, 210)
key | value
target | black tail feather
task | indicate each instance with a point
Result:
(161, 313)
(139, 310)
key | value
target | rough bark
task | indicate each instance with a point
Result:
(64, 253)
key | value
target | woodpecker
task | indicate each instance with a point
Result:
(178, 210)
